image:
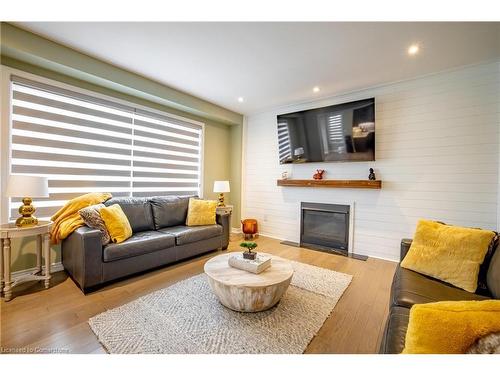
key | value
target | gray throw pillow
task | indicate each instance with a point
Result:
(93, 219)
(488, 344)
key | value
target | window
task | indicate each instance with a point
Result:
(335, 129)
(336, 140)
(86, 144)
(285, 154)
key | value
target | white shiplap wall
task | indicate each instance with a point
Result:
(437, 154)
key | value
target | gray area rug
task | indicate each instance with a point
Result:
(187, 318)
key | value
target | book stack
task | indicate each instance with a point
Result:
(257, 265)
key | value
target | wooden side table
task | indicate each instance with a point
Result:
(9, 231)
(227, 209)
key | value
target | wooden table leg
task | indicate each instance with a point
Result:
(39, 253)
(1, 265)
(6, 270)
(46, 248)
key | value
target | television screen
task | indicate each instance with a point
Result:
(343, 132)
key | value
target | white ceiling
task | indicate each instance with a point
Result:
(272, 64)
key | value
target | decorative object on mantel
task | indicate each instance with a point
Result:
(257, 265)
(346, 184)
(249, 254)
(285, 175)
(319, 174)
(371, 176)
(27, 187)
(221, 187)
(249, 227)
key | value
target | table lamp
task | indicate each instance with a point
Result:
(221, 187)
(27, 187)
(299, 152)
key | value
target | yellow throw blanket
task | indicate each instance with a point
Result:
(449, 327)
(67, 219)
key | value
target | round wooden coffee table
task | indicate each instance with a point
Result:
(247, 292)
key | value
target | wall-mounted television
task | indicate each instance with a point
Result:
(341, 132)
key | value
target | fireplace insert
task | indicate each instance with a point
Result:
(325, 227)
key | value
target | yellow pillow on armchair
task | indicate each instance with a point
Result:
(116, 223)
(450, 327)
(201, 212)
(448, 253)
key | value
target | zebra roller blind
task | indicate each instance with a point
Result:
(285, 153)
(87, 144)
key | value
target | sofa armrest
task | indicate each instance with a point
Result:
(225, 221)
(405, 246)
(82, 256)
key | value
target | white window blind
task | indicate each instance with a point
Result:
(87, 144)
(336, 132)
(285, 153)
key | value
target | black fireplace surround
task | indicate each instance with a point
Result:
(325, 227)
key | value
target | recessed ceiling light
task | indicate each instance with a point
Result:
(240, 99)
(413, 49)
(316, 89)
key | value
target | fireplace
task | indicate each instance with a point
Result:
(325, 227)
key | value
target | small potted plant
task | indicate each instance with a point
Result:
(249, 254)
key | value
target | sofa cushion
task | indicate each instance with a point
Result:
(169, 211)
(201, 212)
(116, 223)
(140, 243)
(450, 327)
(184, 234)
(449, 253)
(493, 275)
(137, 210)
(393, 341)
(92, 218)
(409, 288)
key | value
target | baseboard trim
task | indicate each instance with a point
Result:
(385, 258)
(236, 230)
(264, 234)
(55, 267)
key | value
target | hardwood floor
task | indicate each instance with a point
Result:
(56, 319)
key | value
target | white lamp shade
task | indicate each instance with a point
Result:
(20, 186)
(221, 187)
(298, 151)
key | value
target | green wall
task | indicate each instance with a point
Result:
(236, 139)
(222, 141)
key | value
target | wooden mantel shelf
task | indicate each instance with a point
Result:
(349, 184)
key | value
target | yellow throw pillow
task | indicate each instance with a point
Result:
(448, 253)
(450, 327)
(116, 223)
(201, 212)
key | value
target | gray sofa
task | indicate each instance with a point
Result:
(160, 237)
